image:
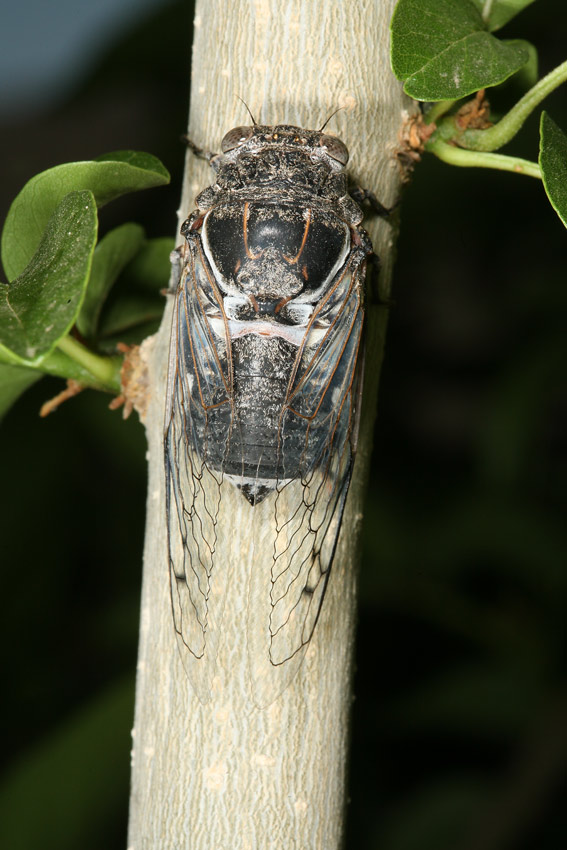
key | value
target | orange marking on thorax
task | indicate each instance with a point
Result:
(246, 216)
(295, 259)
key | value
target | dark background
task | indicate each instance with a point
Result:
(458, 724)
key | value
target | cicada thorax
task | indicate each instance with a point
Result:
(274, 263)
(262, 388)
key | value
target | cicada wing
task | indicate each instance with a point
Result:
(318, 425)
(197, 432)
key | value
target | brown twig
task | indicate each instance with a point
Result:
(73, 388)
(134, 382)
(413, 136)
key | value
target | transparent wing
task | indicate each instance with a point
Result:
(197, 433)
(318, 426)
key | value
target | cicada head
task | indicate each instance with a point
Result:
(284, 137)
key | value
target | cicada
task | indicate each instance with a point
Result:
(263, 387)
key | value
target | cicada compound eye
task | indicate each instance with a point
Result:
(335, 148)
(236, 137)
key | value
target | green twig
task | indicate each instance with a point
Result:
(104, 370)
(436, 110)
(501, 133)
(481, 159)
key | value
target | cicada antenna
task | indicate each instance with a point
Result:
(255, 123)
(330, 116)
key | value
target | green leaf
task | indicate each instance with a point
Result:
(107, 177)
(129, 311)
(130, 335)
(528, 74)
(502, 11)
(40, 306)
(442, 51)
(135, 306)
(14, 381)
(553, 164)
(73, 784)
(111, 255)
(151, 267)
(138, 160)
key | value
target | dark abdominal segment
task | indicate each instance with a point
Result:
(262, 367)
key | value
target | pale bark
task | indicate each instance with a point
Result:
(228, 775)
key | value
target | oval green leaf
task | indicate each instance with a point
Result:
(501, 11)
(442, 51)
(135, 306)
(150, 269)
(528, 74)
(553, 164)
(140, 160)
(129, 311)
(40, 306)
(108, 177)
(111, 255)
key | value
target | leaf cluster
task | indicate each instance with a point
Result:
(446, 50)
(71, 297)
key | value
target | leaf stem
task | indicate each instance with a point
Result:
(105, 370)
(436, 110)
(501, 133)
(481, 159)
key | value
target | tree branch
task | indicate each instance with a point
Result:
(228, 774)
